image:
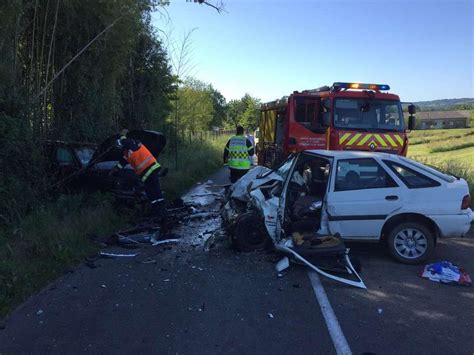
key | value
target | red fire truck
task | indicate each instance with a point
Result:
(350, 116)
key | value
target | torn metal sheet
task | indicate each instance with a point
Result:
(113, 255)
(360, 284)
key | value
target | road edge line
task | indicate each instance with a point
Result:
(335, 331)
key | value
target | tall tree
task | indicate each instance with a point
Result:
(196, 110)
(219, 105)
(244, 112)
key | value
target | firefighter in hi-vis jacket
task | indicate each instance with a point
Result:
(238, 153)
(146, 167)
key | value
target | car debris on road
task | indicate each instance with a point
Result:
(446, 272)
(115, 255)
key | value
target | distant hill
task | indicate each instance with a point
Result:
(446, 104)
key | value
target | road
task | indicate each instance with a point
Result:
(181, 299)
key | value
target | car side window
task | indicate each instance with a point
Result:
(359, 174)
(64, 156)
(410, 177)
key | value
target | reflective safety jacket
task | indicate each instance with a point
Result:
(141, 160)
(238, 152)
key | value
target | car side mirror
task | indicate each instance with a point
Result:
(326, 119)
(411, 109)
(319, 130)
(326, 104)
(411, 122)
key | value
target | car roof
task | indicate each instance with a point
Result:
(58, 143)
(348, 154)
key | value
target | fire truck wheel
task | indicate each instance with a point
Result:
(249, 233)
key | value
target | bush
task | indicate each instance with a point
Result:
(22, 175)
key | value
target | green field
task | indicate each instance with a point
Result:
(450, 150)
(443, 146)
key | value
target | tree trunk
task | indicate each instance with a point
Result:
(48, 63)
(32, 52)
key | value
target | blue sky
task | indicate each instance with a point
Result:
(423, 49)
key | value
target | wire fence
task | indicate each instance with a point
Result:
(191, 137)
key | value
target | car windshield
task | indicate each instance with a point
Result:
(84, 154)
(285, 168)
(368, 114)
(282, 170)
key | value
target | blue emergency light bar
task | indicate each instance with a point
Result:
(376, 87)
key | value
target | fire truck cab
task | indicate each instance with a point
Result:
(345, 116)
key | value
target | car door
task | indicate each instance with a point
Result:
(361, 196)
(285, 172)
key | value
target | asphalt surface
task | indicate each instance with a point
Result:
(180, 299)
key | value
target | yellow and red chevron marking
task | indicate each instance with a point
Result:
(360, 140)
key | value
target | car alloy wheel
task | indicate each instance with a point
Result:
(410, 243)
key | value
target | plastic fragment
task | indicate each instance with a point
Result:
(282, 264)
(158, 242)
(113, 255)
(149, 261)
(270, 315)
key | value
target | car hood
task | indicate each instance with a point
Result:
(108, 151)
(241, 188)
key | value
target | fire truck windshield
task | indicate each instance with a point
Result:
(368, 114)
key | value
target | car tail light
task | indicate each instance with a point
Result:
(466, 202)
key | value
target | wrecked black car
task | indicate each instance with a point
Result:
(86, 167)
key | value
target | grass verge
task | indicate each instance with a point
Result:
(195, 162)
(48, 240)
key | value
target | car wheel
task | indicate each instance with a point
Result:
(410, 242)
(249, 234)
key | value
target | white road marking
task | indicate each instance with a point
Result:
(335, 331)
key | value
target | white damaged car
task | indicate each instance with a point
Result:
(356, 196)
